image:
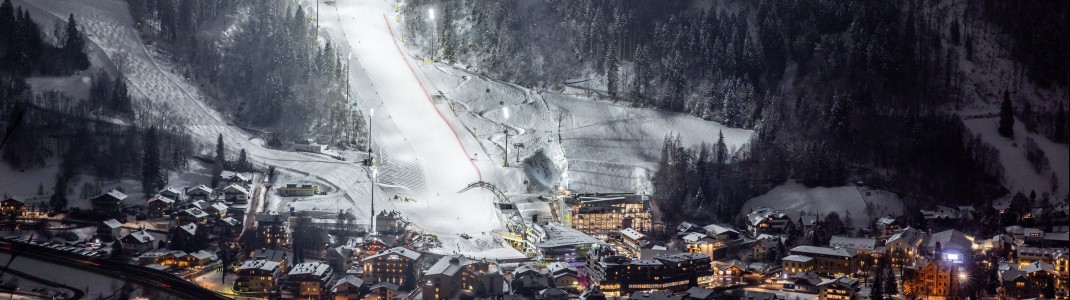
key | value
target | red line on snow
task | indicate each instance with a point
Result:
(428, 96)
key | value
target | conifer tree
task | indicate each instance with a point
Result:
(151, 178)
(1006, 117)
(74, 46)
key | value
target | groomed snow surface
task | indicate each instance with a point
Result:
(795, 200)
(1019, 175)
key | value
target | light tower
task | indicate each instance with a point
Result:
(431, 13)
(505, 129)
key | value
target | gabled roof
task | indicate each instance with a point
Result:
(140, 237)
(400, 251)
(114, 194)
(160, 198)
(235, 188)
(757, 216)
(170, 190)
(715, 229)
(951, 239)
(234, 175)
(384, 285)
(811, 251)
(841, 281)
(202, 255)
(218, 206)
(113, 224)
(693, 237)
(350, 280)
(200, 189)
(231, 221)
(190, 228)
(797, 258)
(908, 235)
(196, 212)
(631, 233)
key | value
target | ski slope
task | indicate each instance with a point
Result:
(795, 200)
(1019, 175)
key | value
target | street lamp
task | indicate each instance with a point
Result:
(373, 172)
(505, 129)
(431, 13)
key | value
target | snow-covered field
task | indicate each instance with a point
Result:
(795, 200)
(1019, 173)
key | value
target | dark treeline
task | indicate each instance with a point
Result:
(25, 49)
(836, 91)
(269, 73)
(55, 125)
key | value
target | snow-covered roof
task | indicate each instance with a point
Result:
(631, 233)
(200, 189)
(693, 237)
(825, 251)
(841, 281)
(312, 268)
(234, 175)
(160, 198)
(886, 221)
(262, 264)
(558, 235)
(757, 216)
(203, 255)
(140, 236)
(190, 228)
(219, 206)
(170, 190)
(718, 229)
(449, 265)
(853, 243)
(234, 188)
(231, 221)
(196, 212)
(797, 258)
(351, 280)
(401, 251)
(951, 239)
(908, 235)
(113, 224)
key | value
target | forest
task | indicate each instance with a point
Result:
(268, 71)
(837, 91)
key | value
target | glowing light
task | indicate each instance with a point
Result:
(431, 12)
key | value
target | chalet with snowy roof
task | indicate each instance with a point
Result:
(137, 242)
(887, 226)
(953, 244)
(828, 260)
(310, 280)
(732, 268)
(110, 203)
(109, 230)
(243, 180)
(258, 276)
(633, 240)
(383, 291)
(902, 246)
(200, 192)
(768, 221)
(452, 274)
(721, 233)
(216, 210)
(235, 193)
(340, 257)
(190, 237)
(1056, 239)
(839, 288)
(192, 215)
(171, 193)
(805, 282)
(792, 264)
(528, 280)
(274, 228)
(12, 207)
(284, 258)
(348, 288)
(227, 228)
(766, 249)
(565, 276)
(686, 227)
(702, 243)
(159, 205)
(394, 265)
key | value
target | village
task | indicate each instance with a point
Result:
(585, 246)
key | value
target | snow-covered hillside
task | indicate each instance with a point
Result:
(794, 199)
(1019, 175)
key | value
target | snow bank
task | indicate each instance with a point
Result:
(795, 200)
